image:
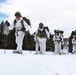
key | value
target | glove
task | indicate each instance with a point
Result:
(35, 39)
(48, 38)
(60, 38)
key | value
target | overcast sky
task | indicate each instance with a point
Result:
(56, 14)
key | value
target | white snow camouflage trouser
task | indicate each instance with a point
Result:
(19, 40)
(74, 48)
(65, 49)
(57, 47)
(41, 43)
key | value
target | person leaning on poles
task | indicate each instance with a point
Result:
(19, 31)
(41, 35)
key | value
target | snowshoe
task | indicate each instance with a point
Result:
(41, 53)
(59, 53)
(74, 52)
(17, 52)
(36, 53)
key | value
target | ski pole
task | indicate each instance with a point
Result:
(5, 44)
(6, 32)
(27, 42)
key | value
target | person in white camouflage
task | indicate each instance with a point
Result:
(65, 44)
(74, 44)
(19, 32)
(41, 35)
(58, 38)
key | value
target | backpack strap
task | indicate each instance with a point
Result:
(46, 28)
(23, 28)
(26, 20)
(15, 21)
(23, 25)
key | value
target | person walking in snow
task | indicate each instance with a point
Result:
(58, 41)
(74, 44)
(65, 43)
(20, 28)
(41, 35)
(6, 28)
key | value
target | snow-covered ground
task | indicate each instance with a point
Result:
(31, 64)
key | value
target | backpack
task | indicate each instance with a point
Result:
(42, 33)
(47, 28)
(26, 20)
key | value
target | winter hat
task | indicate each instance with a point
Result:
(18, 13)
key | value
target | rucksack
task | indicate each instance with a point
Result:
(26, 20)
(42, 33)
(47, 28)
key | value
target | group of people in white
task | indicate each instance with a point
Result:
(40, 37)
